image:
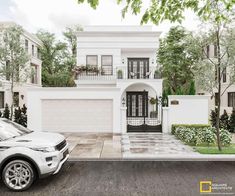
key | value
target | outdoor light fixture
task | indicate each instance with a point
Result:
(152, 61)
(123, 101)
(22, 96)
(123, 61)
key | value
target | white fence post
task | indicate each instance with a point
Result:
(123, 119)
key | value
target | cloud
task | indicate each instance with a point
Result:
(55, 15)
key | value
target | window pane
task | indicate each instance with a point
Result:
(231, 99)
(92, 60)
(1, 99)
(107, 60)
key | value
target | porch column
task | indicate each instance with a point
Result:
(123, 119)
(165, 120)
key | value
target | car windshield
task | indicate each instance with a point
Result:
(10, 129)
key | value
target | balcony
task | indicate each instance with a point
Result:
(111, 75)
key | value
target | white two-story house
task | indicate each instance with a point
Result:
(118, 85)
(31, 44)
(122, 58)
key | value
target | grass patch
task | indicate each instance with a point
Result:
(214, 149)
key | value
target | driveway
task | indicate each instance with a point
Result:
(131, 178)
(85, 146)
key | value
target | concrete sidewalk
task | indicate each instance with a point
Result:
(134, 146)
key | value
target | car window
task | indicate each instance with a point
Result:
(9, 130)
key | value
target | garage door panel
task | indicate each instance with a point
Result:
(77, 115)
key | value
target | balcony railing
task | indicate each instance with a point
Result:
(120, 72)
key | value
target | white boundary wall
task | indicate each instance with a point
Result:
(185, 109)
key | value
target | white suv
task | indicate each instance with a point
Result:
(26, 155)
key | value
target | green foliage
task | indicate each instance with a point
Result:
(6, 112)
(20, 115)
(192, 88)
(177, 57)
(225, 137)
(204, 135)
(224, 121)
(213, 116)
(153, 101)
(232, 121)
(172, 10)
(57, 61)
(194, 126)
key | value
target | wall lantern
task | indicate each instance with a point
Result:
(22, 96)
(123, 101)
(152, 61)
(123, 61)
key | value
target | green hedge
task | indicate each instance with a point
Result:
(201, 136)
(195, 126)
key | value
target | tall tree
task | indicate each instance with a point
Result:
(14, 58)
(71, 36)
(212, 68)
(177, 57)
(56, 64)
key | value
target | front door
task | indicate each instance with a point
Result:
(137, 104)
(138, 68)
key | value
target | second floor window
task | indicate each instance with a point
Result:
(34, 74)
(1, 99)
(8, 74)
(26, 45)
(208, 51)
(224, 75)
(38, 53)
(92, 60)
(33, 52)
(231, 99)
(107, 64)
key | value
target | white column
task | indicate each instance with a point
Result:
(165, 120)
(123, 119)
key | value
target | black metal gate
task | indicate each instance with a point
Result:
(139, 119)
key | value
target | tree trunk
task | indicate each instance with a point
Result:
(219, 89)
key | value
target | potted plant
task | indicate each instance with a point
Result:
(120, 74)
(157, 74)
(153, 102)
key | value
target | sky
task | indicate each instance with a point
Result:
(55, 15)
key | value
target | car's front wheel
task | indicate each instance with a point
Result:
(18, 175)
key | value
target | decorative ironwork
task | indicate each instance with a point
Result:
(138, 119)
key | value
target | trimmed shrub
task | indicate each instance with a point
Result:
(225, 137)
(195, 126)
(192, 89)
(201, 135)
(206, 136)
(232, 122)
(224, 121)
(213, 116)
(6, 112)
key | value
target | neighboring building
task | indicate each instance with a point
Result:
(31, 44)
(228, 98)
(116, 79)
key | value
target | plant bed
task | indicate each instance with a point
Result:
(214, 149)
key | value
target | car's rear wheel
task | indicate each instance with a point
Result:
(18, 175)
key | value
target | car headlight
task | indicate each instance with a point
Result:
(44, 149)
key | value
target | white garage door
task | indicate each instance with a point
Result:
(77, 115)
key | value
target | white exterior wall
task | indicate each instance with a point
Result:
(192, 109)
(35, 97)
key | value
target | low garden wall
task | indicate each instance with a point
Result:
(185, 109)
